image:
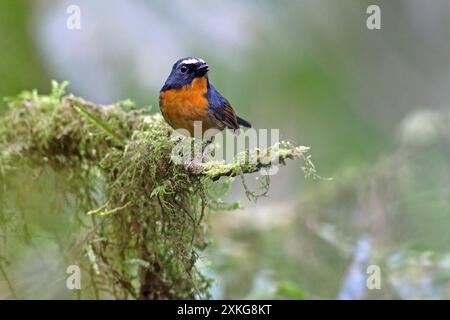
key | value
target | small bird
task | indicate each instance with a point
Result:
(188, 98)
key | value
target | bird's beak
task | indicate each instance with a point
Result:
(201, 69)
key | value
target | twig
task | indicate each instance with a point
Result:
(8, 282)
(95, 120)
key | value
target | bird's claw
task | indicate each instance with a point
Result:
(193, 166)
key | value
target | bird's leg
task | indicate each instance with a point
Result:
(207, 147)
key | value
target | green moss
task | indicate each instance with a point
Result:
(143, 241)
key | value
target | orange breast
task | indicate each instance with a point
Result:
(182, 107)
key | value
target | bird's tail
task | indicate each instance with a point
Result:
(244, 123)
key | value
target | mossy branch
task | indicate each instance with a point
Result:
(147, 213)
(248, 162)
(251, 161)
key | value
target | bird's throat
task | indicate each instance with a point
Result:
(199, 85)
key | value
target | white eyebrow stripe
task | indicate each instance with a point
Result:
(192, 60)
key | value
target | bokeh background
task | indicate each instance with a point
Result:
(373, 105)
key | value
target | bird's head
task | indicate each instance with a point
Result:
(184, 71)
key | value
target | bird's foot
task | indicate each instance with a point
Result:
(194, 165)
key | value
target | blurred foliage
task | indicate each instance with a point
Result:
(401, 203)
(20, 63)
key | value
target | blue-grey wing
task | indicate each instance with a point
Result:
(221, 110)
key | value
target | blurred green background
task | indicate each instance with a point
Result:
(372, 104)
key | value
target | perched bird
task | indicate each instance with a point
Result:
(188, 98)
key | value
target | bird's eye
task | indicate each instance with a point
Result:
(183, 69)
